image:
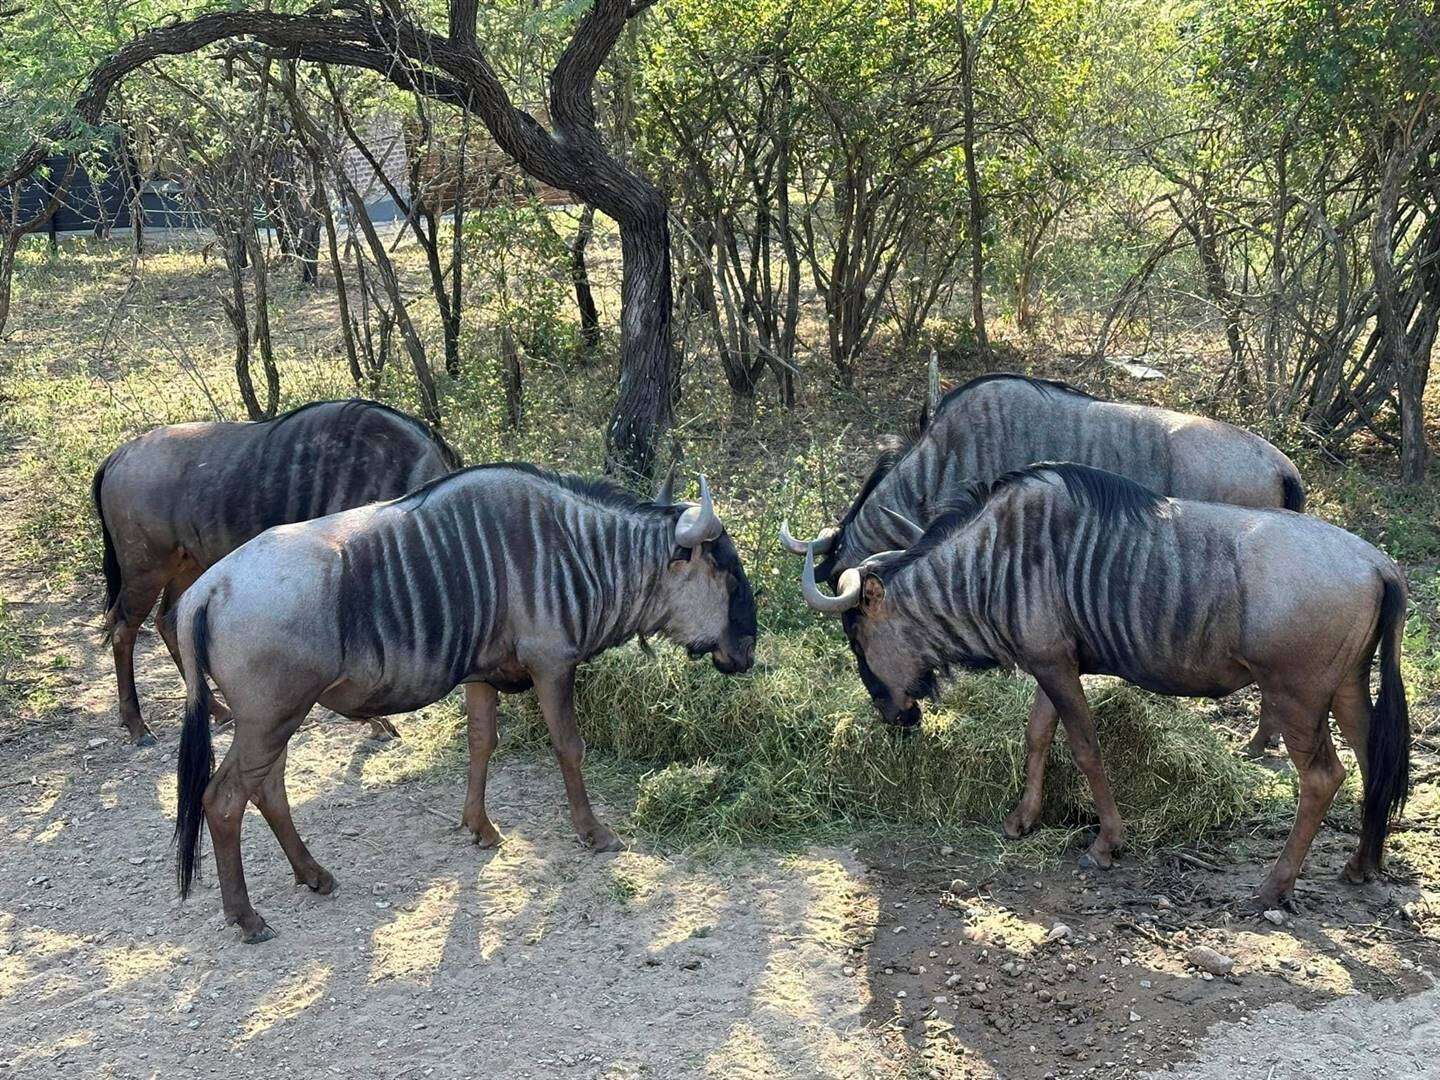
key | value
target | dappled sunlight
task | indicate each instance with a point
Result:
(503, 893)
(289, 998)
(126, 964)
(31, 805)
(743, 1055)
(412, 945)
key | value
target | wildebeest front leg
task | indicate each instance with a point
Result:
(1039, 734)
(1068, 695)
(274, 803)
(482, 713)
(557, 701)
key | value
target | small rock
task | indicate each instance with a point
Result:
(848, 970)
(1276, 916)
(1134, 1017)
(1210, 961)
(947, 851)
(954, 980)
(898, 930)
(1058, 932)
(97, 742)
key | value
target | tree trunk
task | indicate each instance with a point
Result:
(513, 377)
(970, 48)
(9, 244)
(580, 275)
(643, 405)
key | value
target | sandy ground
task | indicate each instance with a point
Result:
(435, 959)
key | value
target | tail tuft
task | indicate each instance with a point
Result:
(1387, 782)
(197, 756)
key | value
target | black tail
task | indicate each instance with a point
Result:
(113, 580)
(1294, 493)
(197, 758)
(1387, 750)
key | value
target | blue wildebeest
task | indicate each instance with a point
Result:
(1000, 422)
(178, 499)
(499, 577)
(1063, 570)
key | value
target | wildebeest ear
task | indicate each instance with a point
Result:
(872, 591)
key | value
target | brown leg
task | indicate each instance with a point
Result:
(1265, 738)
(225, 801)
(1351, 706)
(482, 705)
(1039, 734)
(1307, 738)
(557, 703)
(136, 604)
(219, 712)
(382, 730)
(1064, 689)
(256, 749)
(274, 803)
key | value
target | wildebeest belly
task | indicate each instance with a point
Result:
(361, 697)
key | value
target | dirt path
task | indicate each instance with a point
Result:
(434, 959)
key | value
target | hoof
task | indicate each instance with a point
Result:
(256, 937)
(1013, 828)
(486, 838)
(322, 882)
(602, 839)
(145, 738)
(1358, 871)
(1092, 860)
(1269, 900)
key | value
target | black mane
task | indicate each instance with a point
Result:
(597, 490)
(1112, 496)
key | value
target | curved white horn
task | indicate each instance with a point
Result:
(822, 543)
(915, 530)
(665, 494)
(844, 600)
(698, 523)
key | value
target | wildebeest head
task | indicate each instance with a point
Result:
(711, 607)
(892, 665)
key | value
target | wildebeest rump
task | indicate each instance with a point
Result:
(1063, 570)
(1000, 422)
(497, 577)
(176, 500)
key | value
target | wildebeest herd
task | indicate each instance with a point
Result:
(338, 554)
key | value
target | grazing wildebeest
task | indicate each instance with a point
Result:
(1063, 570)
(499, 577)
(996, 423)
(176, 500)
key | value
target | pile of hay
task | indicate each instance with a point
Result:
(795, 746)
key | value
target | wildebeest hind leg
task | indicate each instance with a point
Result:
(274, 803)
(1068, 695)
(1265, 738)
(483, 722)
(557, 702)
(1039, 734)
(135, 604)
(1351, 706)
(1307, 738)
(225, 800)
